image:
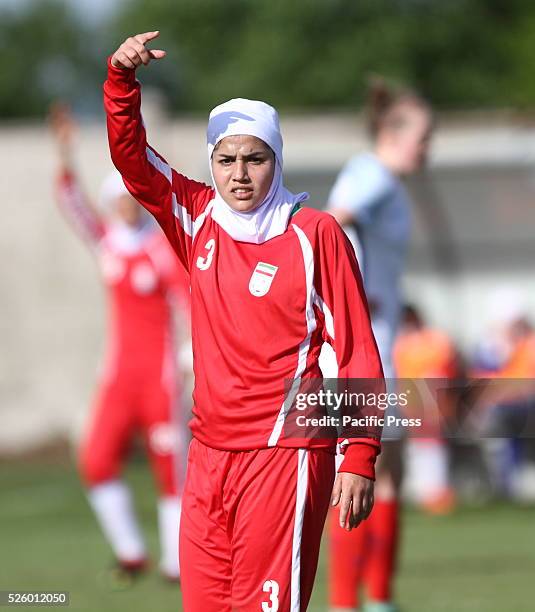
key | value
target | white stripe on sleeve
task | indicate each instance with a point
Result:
(308, 258)
(329, 320)
(159, 164)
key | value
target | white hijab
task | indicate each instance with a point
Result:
(124, 238)
(270, 218)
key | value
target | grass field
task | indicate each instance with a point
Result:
(479, 559)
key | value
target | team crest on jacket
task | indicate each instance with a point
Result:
(262, 278)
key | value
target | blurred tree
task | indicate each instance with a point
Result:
(43, 57)
(293, 53)
(317, 53)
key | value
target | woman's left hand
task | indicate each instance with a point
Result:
(354, 495)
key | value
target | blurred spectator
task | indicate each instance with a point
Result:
(507, 308)
(508, 353)
(422, 352)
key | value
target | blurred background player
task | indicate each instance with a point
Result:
(139, 388)
(506, 321)
(371, 203)
(422, 352)
(507, 351)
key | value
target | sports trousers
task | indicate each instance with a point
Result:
(123, 407)
(251, 527)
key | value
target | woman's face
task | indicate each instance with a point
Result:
(411, 141)
(243, 168)
(128, 210)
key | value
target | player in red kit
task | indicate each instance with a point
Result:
(270, 281)
(139, 389)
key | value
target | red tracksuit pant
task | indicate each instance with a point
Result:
(251, 527)
(124, 406)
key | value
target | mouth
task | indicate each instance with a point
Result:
(242, 193)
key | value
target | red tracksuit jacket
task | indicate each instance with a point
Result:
(260, 313)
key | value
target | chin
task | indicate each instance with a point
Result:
(241, 205)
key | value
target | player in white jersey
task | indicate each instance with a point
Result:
(370, 201)
(376, 214)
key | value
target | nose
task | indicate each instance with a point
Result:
(240, 172)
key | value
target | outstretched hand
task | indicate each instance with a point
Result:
(133, 52)
(354, 495)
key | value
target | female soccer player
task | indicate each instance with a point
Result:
(370, 202)
(139, 388)
(270, 281)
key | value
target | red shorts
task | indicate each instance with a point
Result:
(123, 407)
(251, 527)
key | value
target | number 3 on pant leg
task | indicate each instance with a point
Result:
(271, 587)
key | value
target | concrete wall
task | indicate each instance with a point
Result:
(52, 310)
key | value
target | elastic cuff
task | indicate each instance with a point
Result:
(359, 458)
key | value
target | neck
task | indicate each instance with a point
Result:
(132, 227)
(389, 159)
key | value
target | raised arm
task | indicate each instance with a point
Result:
(70, 196)
(174, 200)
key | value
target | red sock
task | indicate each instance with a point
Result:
(347, 556)
(383, 546)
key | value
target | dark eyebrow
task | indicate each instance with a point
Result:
(247, 157)
(256, 154)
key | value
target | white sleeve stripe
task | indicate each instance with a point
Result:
(183, 216)
(304, 347)
(159, 164)
(197, 224)
(181, 212)
(329, 320)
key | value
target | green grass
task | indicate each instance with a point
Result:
(474, 560)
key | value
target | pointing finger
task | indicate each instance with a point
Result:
(146, 36)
